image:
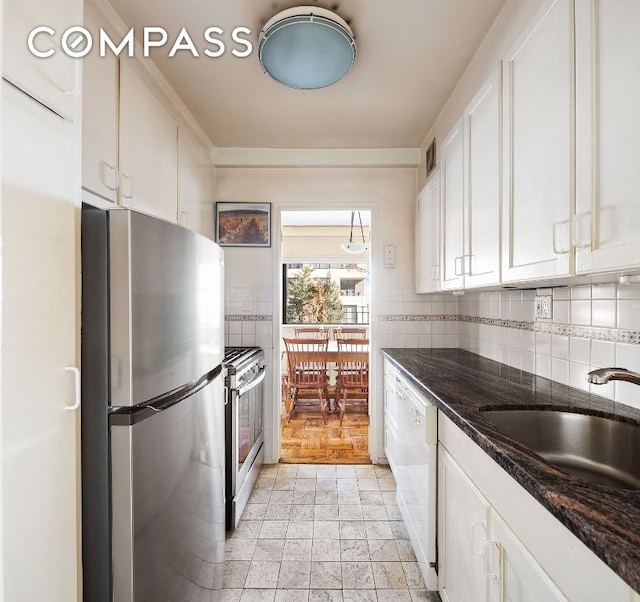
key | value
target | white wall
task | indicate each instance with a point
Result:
(252, 275)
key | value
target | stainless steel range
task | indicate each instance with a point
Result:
(244, 376)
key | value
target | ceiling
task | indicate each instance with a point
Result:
(411, 53)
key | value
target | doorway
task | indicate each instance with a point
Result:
(325, 263)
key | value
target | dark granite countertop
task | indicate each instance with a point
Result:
(462, 383)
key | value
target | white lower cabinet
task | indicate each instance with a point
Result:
(463, 516)
(512, 573)
(480, 558)
(496, 543)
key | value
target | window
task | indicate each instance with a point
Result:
(324, 293)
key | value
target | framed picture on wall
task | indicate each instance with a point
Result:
(243, 224)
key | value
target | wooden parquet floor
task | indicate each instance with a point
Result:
(306, 440)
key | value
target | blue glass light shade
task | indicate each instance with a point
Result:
(306, 51)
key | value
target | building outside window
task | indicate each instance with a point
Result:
(326, 293)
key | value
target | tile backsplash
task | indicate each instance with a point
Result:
(249, 317)
(591, 327)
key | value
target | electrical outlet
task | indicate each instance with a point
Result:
(543, 307)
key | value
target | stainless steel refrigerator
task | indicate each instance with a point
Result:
(153, 503)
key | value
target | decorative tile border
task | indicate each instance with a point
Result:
(418, 318)
(614, 335)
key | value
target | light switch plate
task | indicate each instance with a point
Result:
(390, 256)
(247, 304)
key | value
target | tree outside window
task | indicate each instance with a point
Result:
(314, 296)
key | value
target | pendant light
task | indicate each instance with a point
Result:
(306, 47)
(351, 246)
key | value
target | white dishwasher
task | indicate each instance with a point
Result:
(416, 467)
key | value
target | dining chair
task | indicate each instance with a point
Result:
(307, 363)
(311, 333)
(353, 372)
(350, 333)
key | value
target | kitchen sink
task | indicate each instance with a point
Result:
(597, 449)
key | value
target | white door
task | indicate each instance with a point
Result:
(452, 210)
(40, 284)
(537, 131)
(482, 131)
(463, 523)
(148, 150)
(606, 231)
(428, 236)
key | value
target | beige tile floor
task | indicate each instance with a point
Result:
(322, 533)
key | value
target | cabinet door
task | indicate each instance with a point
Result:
(428, 237)
(99, 118)
(606, 231)
(513, 574)
(452, 210)
(40, 219)
(148, 150)
(537, 142)
(463, 516)
(53, 81)
(195, 184)
(482, 195)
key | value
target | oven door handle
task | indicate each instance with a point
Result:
(252, 385)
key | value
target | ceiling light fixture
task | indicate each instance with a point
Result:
(306, 47)
(355, 247)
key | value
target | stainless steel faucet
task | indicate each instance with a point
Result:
(603, 375)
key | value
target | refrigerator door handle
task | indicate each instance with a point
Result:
(76, 373)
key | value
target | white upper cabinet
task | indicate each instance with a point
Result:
(537, 164)
(428, 237)
(482, 130)
(99, 118)
(54, 81)
(470, 203)
(148, 150)
(607, 221)
(452, 209)
(195, 184)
